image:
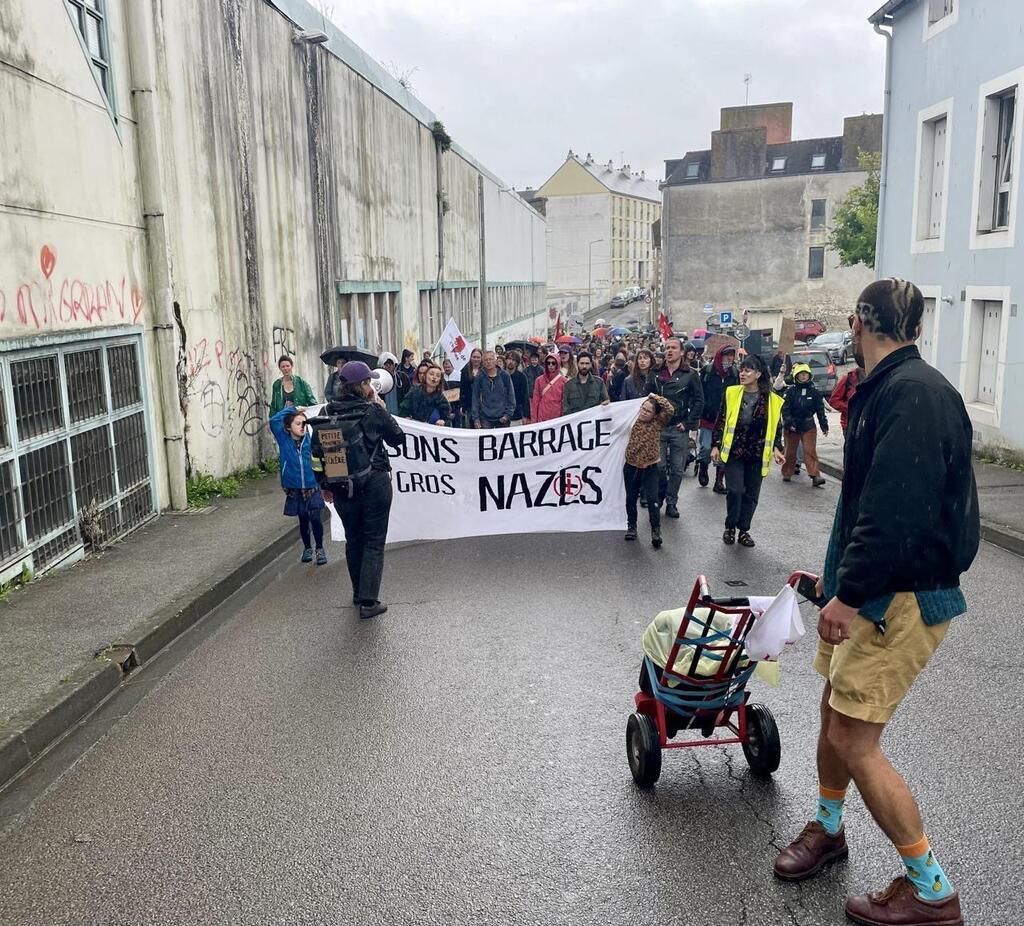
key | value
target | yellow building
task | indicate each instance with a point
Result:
(599, 221)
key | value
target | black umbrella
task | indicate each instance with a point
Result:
(523, 346)
(347, 353)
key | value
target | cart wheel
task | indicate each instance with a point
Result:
(643, 749)
(764, 749)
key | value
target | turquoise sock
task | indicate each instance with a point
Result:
(830, 810)
(926, 873)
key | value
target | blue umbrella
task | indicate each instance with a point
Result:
(618, 331)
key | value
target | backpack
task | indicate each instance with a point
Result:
(341, 461)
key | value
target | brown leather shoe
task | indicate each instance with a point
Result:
(811, 851)
(900, 905)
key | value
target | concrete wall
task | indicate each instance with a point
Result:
(286, 169)
(745, 243)
(573, 222)
(982, 43)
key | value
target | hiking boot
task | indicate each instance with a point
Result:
(307, 555)
(818, 481)
(370, 609)
(671, 511)
(321, 557)
(702, 475)
(630, 533)
(656, 538)
(900, 905)
(720, 488)
(787, 478)
(811, 851)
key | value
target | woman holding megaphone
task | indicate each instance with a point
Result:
(355, 473)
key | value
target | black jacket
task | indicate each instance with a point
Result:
(684, 391)
(522, 389)
(802, 403)
(379, 428)
(908, 518)
(420, 405)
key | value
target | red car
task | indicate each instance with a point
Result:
(808, 329)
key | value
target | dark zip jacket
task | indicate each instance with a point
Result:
(684, 391)
(802, 403)
(908, 515)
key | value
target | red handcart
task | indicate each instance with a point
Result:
(677, 698)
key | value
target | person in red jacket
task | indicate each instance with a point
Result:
(546, 403)
(843, 393)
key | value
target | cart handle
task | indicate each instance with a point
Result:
(705, 592)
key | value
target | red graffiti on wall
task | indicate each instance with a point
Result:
(50, 301)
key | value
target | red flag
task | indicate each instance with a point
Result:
(664, 328)
(558, 327)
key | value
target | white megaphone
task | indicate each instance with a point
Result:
(384, 382)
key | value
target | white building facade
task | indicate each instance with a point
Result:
(951, 206)
(190, 190)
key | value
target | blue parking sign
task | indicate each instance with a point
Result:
(726, 317)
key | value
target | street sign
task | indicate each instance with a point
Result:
(709, 309)
(742, 332)
(726, 318)
(648, 300)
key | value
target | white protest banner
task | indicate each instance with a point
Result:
(455, 346)
(561, 475)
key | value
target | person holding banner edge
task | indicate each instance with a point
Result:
(494, 396)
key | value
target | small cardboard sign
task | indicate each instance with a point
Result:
(452, 395)
(787, 335)
(336, 464)
(714, 343)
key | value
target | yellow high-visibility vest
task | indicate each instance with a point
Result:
(733, 400)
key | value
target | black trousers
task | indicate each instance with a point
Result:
(365, 517)
(743, 481)
(645, 480)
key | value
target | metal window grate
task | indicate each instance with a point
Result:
(5, 437)
(46, 490)
(130, 448)
(54, 549)
(9, 540)
(123, 370)
(83, 371)
(37, 401)
(94, 466)
(136, 506)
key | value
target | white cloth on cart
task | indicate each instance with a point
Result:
(777, 624)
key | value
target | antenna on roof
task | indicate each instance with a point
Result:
(747, 78)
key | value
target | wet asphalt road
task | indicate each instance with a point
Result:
(461, 759)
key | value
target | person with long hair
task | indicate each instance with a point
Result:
(426, 402)
(469, 372)
(746, 439)
(641, 380)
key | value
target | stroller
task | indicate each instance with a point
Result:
(703, 687)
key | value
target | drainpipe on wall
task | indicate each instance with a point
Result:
(483, 264)
(146, 104)
(884, 169)
(440, 244)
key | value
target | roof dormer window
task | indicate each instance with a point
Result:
(817, 162)
(778, 165)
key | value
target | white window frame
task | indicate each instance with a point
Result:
(932, 29)
(925, 117)
(933, 292)
(1005, 237)
(979, 413)
(778, 170)
(815, 157)
(693, 170)
(78, 11)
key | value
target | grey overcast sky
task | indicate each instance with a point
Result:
(519, 82)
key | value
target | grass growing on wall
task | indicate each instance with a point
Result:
(203, 487)
(1000, 456)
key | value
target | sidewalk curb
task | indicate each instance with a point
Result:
(1006, 538)
(27, 735)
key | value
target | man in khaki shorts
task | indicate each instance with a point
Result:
(906, 527)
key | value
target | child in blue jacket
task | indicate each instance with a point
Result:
(302, 494)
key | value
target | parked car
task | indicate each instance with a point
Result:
(838, 345)
(823, 370)
(618, 302)
(808, 329)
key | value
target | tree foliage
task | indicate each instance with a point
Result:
(855, 220)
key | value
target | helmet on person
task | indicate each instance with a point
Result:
(385, 357)
(799, 368)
